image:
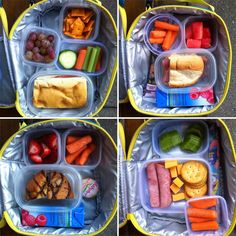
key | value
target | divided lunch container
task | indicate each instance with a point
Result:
(35, 134)
(95, 158)
(157, 49)
(175, 207)
(181, 126)
(81, 111)
(207, 79)
(75, 46)
(46, 31)
(96, 17)
(25, 174)
(222, 211)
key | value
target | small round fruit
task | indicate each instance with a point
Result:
(35, 50)
(51, 38)
(30, 220)
(41, 36)
(43, 51)
(29, 45)
(38, 43)
(52, 55)
(33, 36)
(41, 220)
(38, 58)
(46, 43)
(29, 55)
(47, 59)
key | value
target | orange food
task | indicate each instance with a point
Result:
(71, 157)
(204, 203)
(81, 58)
(166, 26)
(85, 155)
(156, 40)
(202, 213)
(78, 144)
(209, 225)
(198, 220)
(71, 139)
(167, 41)
(157, 34)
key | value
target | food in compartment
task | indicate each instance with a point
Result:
(87, 59)
(170, 140)
(164, 34)
(43, 150)
(182, 70)
(198, 35)
(79, 149)
(90, 188)
(79, 23)
(40, 47)
(49, 185)
(60, 91)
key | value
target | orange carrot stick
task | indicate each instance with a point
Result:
(80, 59)
(167, 41)
(210, 225)
(173, 38)
(157, 34)
(202, 213)
(70, 139)
(71, 157)
(75, 146)
(85, 155)
(204, 203)
(197, 220)
(156, 40)
(166, 26)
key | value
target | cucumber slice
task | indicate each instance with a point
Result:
(67, 59)
(169, 140)
(196, 130)
(191, 143)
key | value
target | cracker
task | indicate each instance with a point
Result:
(191, 192)
(198, 185)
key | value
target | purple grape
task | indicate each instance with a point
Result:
(52, 55)
(29, 55)
(29, 45)
(51, 38)
(38, 58)
(35, 50)
(41, 36)
(33, 36)
(45, 43)
(50, 50)
(43, 51)
(38, 43)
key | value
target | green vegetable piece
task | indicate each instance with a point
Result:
(87, 58)
(67, 59)
(92, 59)
(191, 143)
(96, 59)
(169, 140)
(195, 129)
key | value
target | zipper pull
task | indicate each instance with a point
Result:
(149, 4)
(31, 2)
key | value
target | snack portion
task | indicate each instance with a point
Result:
(43, 150)
(49, 185)
(90, 188)
(79, 23)
(57, 91)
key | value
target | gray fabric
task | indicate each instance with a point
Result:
(97, 211)
(170, 224)
(47, 15)
(138, 66)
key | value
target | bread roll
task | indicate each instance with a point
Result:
(60, 92)
(185, 70)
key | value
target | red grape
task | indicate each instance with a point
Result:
(29, 45)
(52, 55)
(38, 58)
(43, 51)
(41, 36)
(35, 50)
(38, 43)
(51, 38)
(29, 55)
(45, 43)
(32, 36)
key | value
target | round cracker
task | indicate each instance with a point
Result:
(198, 185)
(193, 172)
(192, 192)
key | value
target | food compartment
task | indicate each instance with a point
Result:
(82, 148)
(42, 146)
(79, 21)
(213, 207)
(167, 179)
(58, 90)
(40, 46)
(186, 71)
(58, 188)
(201, 32)
(91, 58)
(163, 32)
(179, 141)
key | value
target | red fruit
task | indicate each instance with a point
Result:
(34, 147)
(46, 151)
(194, 94)
(36, 159)
(197, 28)
(41, 220)
(206, 43)
(206, 33)
(23, 222)
(52, 158)
(51, 140)
(30, 220)
(24, 213)
(211, 100)
(189, 32)
(194, 43)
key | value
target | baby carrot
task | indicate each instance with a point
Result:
(210, 225)
(202, 213)
(198, 220)
(71, 157)
(71, 139)
(166, 26)
(81, 59)
(157, 34)
(85, 155)
(156, 40)
(167, 41)
(204, 204)
(75, 146)
(173, 37)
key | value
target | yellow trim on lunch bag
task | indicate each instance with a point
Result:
(131, 216)
(6, 215)
(227, 83)
(96, 2)
(4, 20)
(2, 222)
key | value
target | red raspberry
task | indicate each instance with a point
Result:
(30, 220)
(24, 213)
(211, 100)
(194, 93)
(41, 220)
(206, 93)
(23, 222)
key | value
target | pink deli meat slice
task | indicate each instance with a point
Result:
(153, 186)
(164, 180)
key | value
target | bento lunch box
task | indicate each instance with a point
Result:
(179, 125)
(175, 207)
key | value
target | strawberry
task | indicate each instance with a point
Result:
(51, 140)
(52, 158)
(36, 159)
(41, 220)
(46, 151)
(30, 220)
(34, 147)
